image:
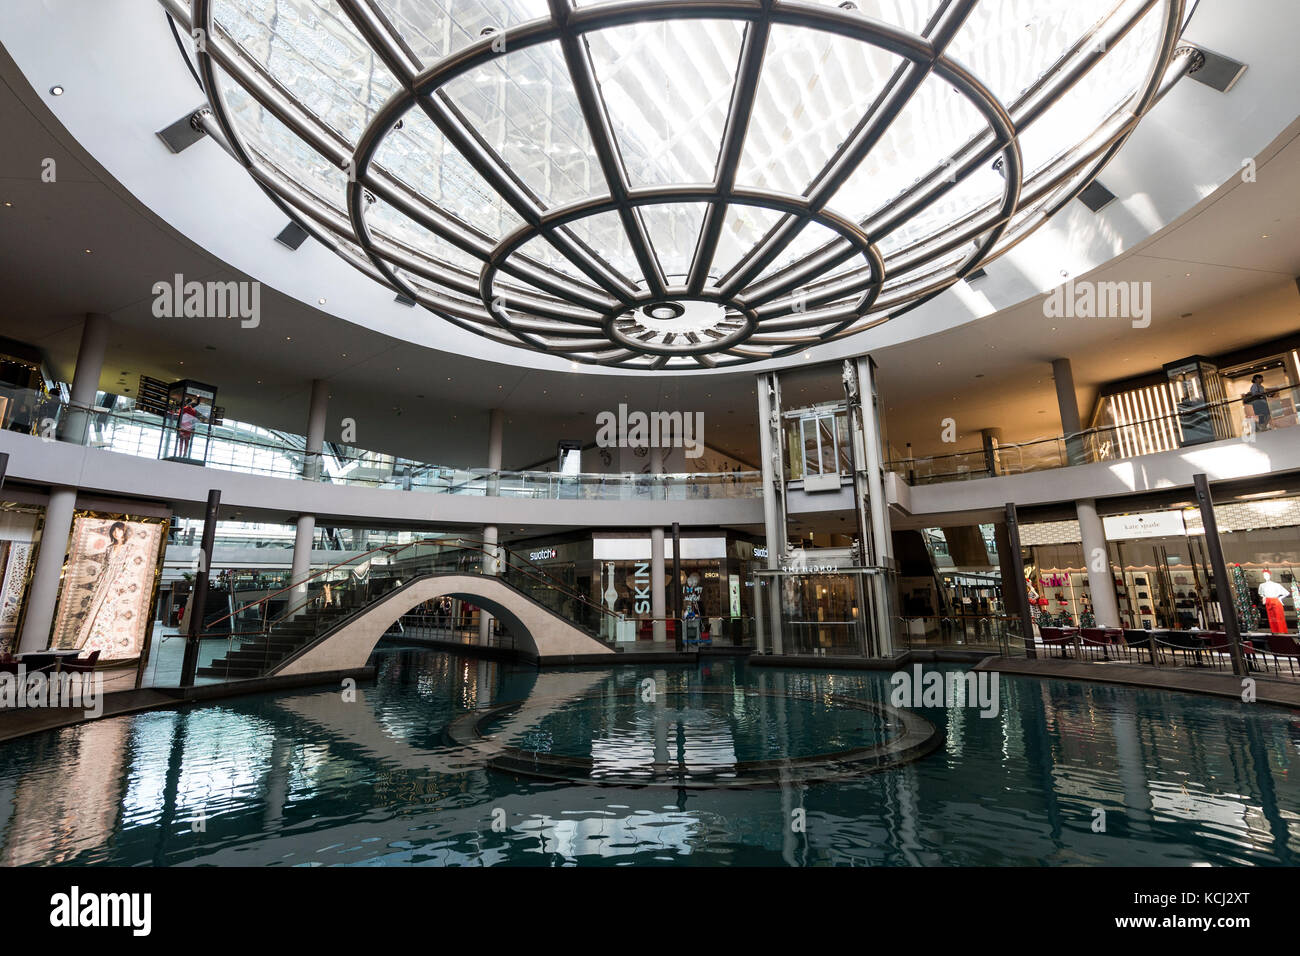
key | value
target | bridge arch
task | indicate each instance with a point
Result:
(542, 633)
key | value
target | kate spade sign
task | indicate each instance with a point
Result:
(1148, 524)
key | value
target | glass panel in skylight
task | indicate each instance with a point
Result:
(314, 51)
(1102, 90)
(814, 89)
(282, 148)
(420, 156)
(742, 227)
(524, 106)
(434, 28)
(674, 229)
(667, 87)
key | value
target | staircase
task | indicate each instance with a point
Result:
(255, 656)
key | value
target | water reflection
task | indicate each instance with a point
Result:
(314, 778)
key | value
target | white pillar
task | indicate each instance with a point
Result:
(491, 560)
(882, 543)
(305, 530)
(1068, 402)
(85, 380)
(1105, 604)
(43, 594)
(773, 520)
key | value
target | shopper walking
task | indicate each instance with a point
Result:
(1257, 399)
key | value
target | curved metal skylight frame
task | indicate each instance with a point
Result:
(594, 313)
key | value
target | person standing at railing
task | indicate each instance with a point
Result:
(1257, 398)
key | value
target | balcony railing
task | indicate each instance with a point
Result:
(1116, 442)
(253, 450)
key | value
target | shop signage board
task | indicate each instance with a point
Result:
(1147, 524)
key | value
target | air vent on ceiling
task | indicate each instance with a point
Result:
(182, 134)
(1218, 72)
(292, 235)
(1096, 197)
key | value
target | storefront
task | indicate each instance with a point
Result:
(613, 571)
(1161, 567)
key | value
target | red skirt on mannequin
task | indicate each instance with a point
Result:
(1276, 615)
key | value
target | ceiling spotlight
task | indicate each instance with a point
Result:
(56, 90)
(321, 301)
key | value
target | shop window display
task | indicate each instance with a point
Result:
(1278, 407)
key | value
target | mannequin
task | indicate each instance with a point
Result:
(1273, 594)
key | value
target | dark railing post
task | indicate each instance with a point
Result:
(1018, 572)
(199, 598)
(677, 586)
(1222, 583)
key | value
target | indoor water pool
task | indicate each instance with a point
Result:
(449, 760)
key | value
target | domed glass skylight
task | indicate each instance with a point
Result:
(677, 183)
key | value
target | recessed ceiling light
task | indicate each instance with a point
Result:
(321, 301)
(86, 251)
(56, 90)
(8, 204)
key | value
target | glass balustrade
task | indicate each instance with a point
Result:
(1114, 442)
(251, 449)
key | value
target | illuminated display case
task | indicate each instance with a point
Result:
(187, 424)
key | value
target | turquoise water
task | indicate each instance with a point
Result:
(313, 779)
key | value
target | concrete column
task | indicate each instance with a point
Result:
(305, 529)
(85, 380)
(43, 594)
(1105, 604)
(1068, 402)
(491, 560)
(769, 435)
(882, 544)
(658, 572)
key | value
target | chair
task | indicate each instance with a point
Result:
(82, 664)
(1283, 645)
(1058, 637)
(1184, 641)
(1100, 637)
(1138, 639)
